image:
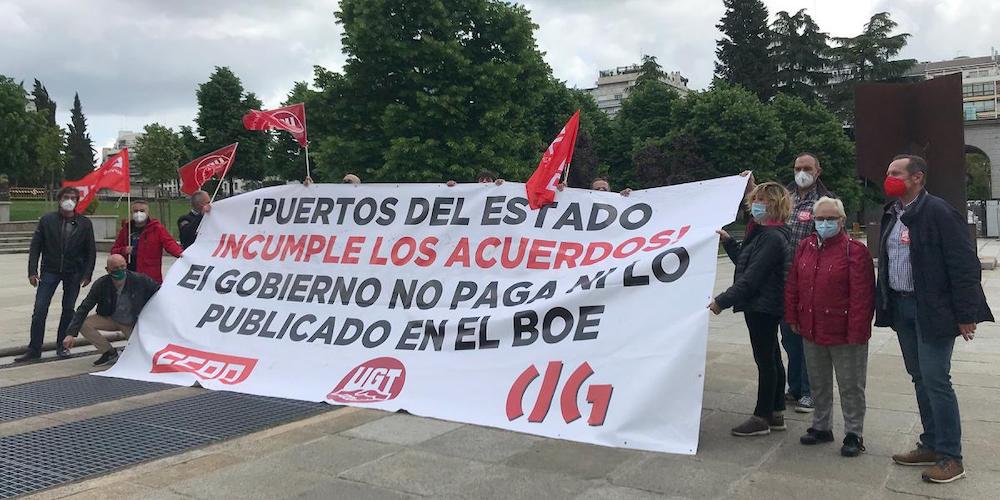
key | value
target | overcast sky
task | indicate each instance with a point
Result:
(139, 61)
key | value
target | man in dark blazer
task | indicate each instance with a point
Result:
(929, 292)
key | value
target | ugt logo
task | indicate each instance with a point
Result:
(379, 379)
(599, 396)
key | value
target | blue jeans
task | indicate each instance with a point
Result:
(798, 376)
(928, 361)
(47, 284)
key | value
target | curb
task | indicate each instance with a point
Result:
(51, 346)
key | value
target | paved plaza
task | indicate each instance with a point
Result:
(356, 453)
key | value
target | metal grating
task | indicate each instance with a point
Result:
(48, 457)
(18, 480)
(47, 396)
(12, 409)
(222, 415)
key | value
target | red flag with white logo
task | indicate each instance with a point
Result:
(541, 187)
(290, 118)
(113, 174)
(201, 169)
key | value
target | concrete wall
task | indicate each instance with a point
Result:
(105, 226)
(985, 135)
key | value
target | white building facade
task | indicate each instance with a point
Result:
(615, 85)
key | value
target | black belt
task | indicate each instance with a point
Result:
(903, 294)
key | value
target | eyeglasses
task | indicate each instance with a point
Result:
(827, 218)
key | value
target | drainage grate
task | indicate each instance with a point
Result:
(18, 480)
(47, 457)
(47, 396)
(12, 409)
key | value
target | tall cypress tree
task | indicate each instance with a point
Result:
(79, 148)
(44, 103)
(742, 52)
(800, 51)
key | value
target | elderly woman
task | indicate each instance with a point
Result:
(830, 301)
(758, 291)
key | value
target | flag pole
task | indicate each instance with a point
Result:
(308, 175)
(224, 172)
(128, 222)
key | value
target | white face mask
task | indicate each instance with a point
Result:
(804, 179)
(139, 217)
(67, 204)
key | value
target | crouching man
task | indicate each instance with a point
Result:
(119, 296)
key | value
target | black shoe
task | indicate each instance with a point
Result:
(62, 352)
(853, 445)
(813, 436)
(108, 357)
(28, 355)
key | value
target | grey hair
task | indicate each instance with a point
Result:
(837, 204)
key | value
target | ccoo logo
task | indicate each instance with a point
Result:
(379, 379)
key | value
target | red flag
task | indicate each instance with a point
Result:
(203, 168)
(541, 187)
(290, 118)
(113, 175)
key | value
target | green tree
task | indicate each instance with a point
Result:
(44, 103)
(977, 168)
(26, 139)
(432, 90)
(647, 113)
(193, 146)
(732, 130)
(867, 57)
(649, 71)
(79, 148)
(813, 128)
(50, 142)
(160, 151)
(662, 162)
(222, 103)
(800, 52)
(742, 52)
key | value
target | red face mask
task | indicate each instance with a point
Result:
(894, 187)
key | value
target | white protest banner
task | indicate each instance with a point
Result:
(584, 320)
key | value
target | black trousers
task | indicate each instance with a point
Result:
(767, 354)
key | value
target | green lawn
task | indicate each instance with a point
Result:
(166, 211)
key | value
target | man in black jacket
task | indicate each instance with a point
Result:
(65, 242)
(188, 224)
(929, 292)
(119, 297)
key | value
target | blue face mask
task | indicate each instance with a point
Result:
(759, 211)
(827, 228)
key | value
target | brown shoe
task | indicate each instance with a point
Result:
(945, 471)
(921, 456)
(777, 422)
(754, 426)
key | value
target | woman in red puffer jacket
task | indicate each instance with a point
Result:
(830, 301)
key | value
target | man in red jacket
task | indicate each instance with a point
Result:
(142, 242)
(830, 301)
